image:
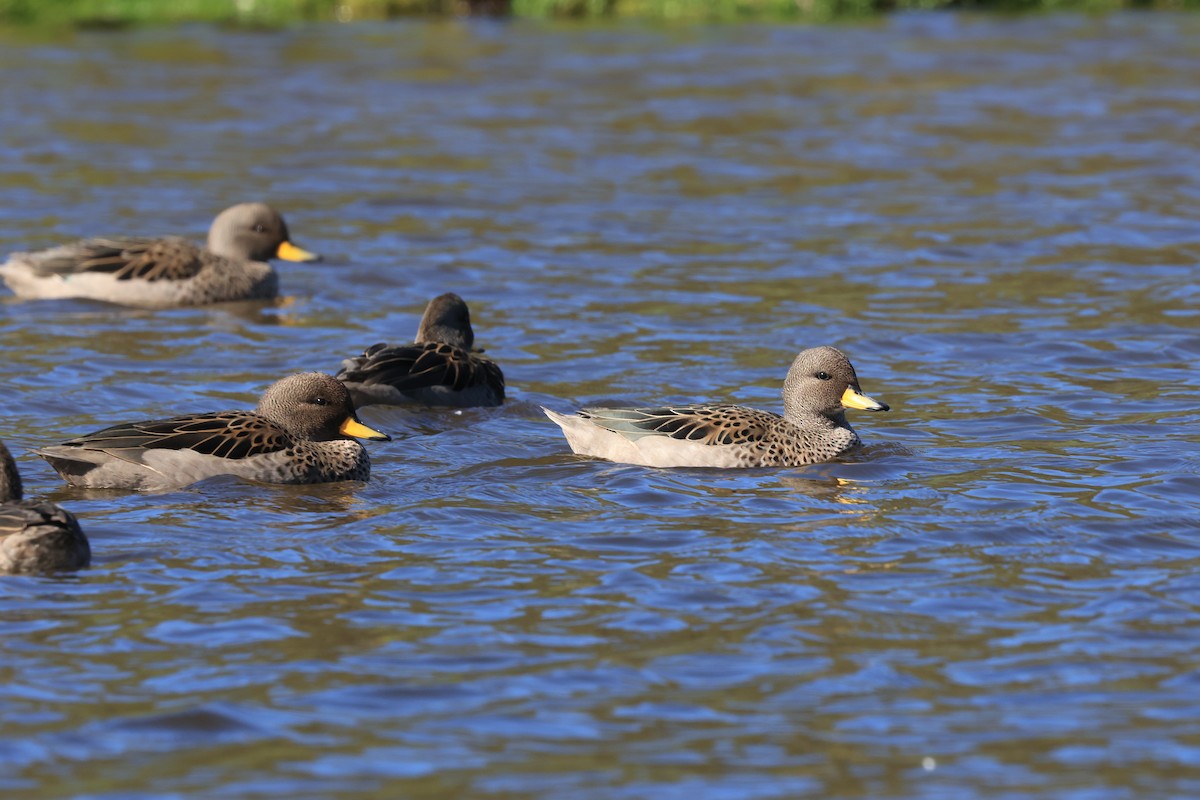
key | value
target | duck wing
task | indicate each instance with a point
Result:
(230, 434)
(129, 258)
(419, 366)
(711, 425)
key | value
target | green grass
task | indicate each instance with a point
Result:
(253, 13)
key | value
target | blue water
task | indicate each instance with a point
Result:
(996, 597)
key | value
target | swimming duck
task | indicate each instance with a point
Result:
(439, 369)
(301, 432)
(36, 536)
(820, 385)
(167, 271)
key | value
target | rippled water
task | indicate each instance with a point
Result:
(996, 597)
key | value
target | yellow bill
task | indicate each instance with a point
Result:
(289, 252)
(352, 427)
(852, 398)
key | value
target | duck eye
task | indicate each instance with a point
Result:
(321, 401)
(258, 227)
(822, 376)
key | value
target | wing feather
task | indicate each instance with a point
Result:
(130, 258)
(419, 366)
(711, 425)
(232, 434)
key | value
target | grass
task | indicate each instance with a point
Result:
(271, 13)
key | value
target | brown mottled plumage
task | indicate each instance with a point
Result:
(301, 432)
(439, 369)
(36, 536)
(163, 272)
(820, 385)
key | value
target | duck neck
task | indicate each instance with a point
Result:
(445, 334)
(806, 417)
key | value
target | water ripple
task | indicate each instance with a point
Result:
(991, 598)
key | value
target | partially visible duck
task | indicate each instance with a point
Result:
(36, 536)
(439, 369)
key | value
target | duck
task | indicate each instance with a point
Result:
(303, 430)
(440, 368)
(820, 385)
(164, 272)
(36, 536)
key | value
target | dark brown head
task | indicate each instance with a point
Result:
(10, 480)
(822, 381)
(315, 407)
(254, 232)
(446, 320)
